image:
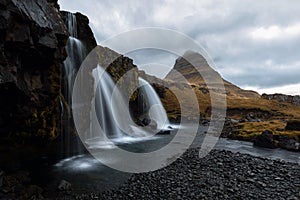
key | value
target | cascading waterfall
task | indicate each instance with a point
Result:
(153, 105)
(111, 112)
(76, 53)
(111, 121)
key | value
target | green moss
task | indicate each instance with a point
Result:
(43, 122)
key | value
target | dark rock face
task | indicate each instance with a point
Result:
(17, 186)
(160, 86)
(85, 34)
(33, 39)
(164, 132)
(265, 140)
(293, 125)
(288, 143)
(295, 100)
(121, 69)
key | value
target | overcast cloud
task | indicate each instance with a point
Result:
(254, 44)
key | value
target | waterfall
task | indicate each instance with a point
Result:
(76, 53)
(113, 114)
(153, 106)
(111, 121)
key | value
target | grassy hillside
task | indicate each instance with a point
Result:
(251, 113)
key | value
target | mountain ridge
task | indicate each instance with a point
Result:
(199, 68)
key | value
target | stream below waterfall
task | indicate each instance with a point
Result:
(88, 174)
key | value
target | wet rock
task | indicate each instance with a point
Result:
(288, 143)
(84, 32)
(32, 48)
(64, 185)
(170, 127)
(145, 122)
(241, 179)
(117, 66)
(164, 132)
(265, 140)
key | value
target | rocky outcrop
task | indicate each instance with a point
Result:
(159, 85)
(265, 140)
(268, 140)
(122, 70)
(33, 39)
(164, 88)
(293, 125)
(84, 31)
(288, 143)
(295, 100)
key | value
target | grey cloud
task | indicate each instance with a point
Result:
(221, 27)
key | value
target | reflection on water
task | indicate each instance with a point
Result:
(247, 148)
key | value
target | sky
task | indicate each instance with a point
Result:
(254, 44)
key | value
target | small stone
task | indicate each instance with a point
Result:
(250, 180)
(230, 190)
(241, 178)
(278, 179)
(261, 184)
(292, 198)
(64, 185)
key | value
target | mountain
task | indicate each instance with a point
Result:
(199, 66)
(248, 113)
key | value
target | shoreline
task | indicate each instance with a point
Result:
(220, 175)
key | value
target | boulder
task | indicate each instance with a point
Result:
(288, 143)
(265, 140)
(64, 185)
(293, 125)
(164, 132)
(145, 122)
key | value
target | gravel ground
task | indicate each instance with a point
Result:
(220, 175)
